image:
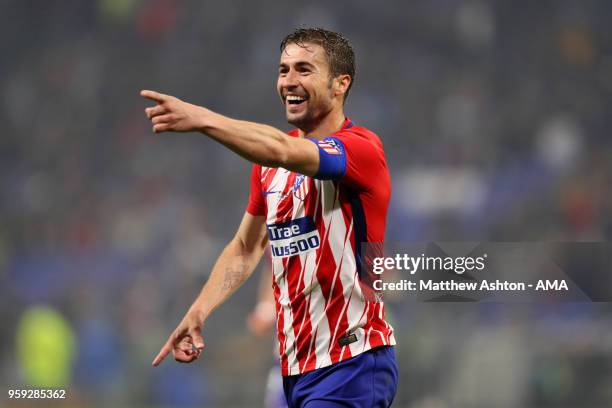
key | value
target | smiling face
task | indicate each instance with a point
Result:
(305, 85)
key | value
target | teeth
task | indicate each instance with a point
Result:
(294, 98)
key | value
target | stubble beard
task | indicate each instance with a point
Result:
(311, 118)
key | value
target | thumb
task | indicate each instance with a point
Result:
(197, 339)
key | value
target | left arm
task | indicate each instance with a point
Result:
(258, 143)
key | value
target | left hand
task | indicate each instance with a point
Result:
(172, 114)
(186, 342)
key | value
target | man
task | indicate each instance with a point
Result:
(317, 194)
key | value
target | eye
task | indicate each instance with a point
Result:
(304, 71)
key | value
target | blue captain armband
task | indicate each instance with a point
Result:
(332, 158)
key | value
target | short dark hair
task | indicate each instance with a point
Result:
(338, 49)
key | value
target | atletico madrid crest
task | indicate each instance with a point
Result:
(330, 146)
(300, 187)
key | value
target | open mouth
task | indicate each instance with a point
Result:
(295, 99)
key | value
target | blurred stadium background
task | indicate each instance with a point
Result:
(496, 120)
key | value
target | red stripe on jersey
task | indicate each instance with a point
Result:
(280, 327)
(342, 324)
(299, 307)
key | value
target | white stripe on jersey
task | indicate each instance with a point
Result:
(313, 290)
(306, 260)
(338, 246)
(318, 317)
(278, 265)
(345, 280)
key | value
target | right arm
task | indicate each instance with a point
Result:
(256, 142)
(233, 267)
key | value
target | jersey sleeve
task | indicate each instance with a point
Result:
(256, 205)
(351, 158)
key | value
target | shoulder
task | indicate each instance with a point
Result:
(360, 134)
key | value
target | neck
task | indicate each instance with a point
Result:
(332, 122)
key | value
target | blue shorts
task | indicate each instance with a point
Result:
(368, 380)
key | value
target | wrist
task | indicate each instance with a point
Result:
(199, 312)
(207, 120)
(202, 119)
(212, 123)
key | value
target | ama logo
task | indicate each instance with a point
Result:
(300, 187)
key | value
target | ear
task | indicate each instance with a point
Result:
(341, 84)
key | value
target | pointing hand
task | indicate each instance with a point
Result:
(173, 114)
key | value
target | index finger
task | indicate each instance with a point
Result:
(154, 96)
(166, 349)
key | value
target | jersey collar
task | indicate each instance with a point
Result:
(347, 124)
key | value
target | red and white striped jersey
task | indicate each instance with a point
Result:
(316, 226)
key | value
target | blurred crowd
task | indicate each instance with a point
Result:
(495, 119)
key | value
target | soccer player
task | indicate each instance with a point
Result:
(317, 194)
